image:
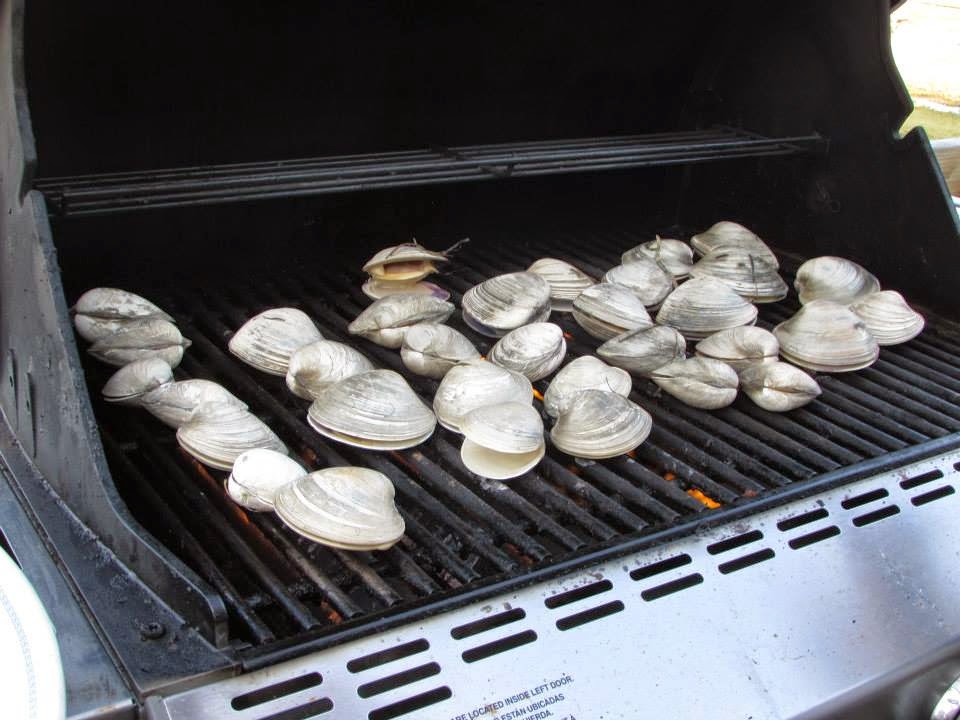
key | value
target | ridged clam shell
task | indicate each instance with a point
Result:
(778, 386)
(431, 350)
(92, 328)
(834, 278)
(566, 281)
(606, 310)
(501, 441)
(476, 383)
(344, 507)
(643, 351)
(387, 320)
(827, 337)
(749, 275)
(675, 256)
(648, 281)
(408, 262)
(601, 424)
(266, 341)
(888, 317)
(219, 435)
(101, 311)
(376, 410)
(741, 347)
(141, 339)
(584, 373)
(703, 306)
(178, 403)
(505, 302)
(534, 350)
(315, 367)
(135, 379)
(257, 475)
(377, 289)
(726, 235)
(699, 382)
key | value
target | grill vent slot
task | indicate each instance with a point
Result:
(674, 586)
(746, 561)
(864, 498)
(876, 515)
(392, 682)
(928, 497)
(661, 566)
(488, 623)
(275, 691)
(792, 523)
(734, 542)
(923, 479)
(496, 647)
(582, 618)
(366, 662)
(814, 537)
(303, 712)
(580, 593)
(411, 704)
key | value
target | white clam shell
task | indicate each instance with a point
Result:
(834, 278)
(584, 373)
(534, 350)
(502, 441)
(315, 367)
(505, 302)
(92, 328)
(699, 382)
(257, 475)
(377, 289)
(376, 410)
(607, 309)
(566, 281)
(827, 337)
(601, 424)
(474, 384)
(888, 317)
(129, 383)
(102, 311)
(703, 306)
(741, 347)
(141, 339)
(344, 507)
(178, 403)
(387, 320)
(266, 341)
(648, 281)
(674, 256)
(431, 350)
(408, 262)
(643, 351)
(219, 434)
(726, 235)
(778, 386)
(749, 275)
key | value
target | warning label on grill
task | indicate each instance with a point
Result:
(549, 699)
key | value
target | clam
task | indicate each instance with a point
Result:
(387, 320)
(888, 317)
(566, 281)
(643, 351)
(257, 475)
(749, 275)
(534, 350)
(102, 311)
(648, 281)
(834, 278)
(698, 381)
(431, 350)
(600, 424)
(827, 337)
(178, 403)
(703, 306)
(726, 235)
(344, 507)
(606, 310)
(502, 441)
(141, 339)
(376, 410)
(315, 367)
(129, 383)
(220, 433)
(778, 386)
(584, 373)
(505, 302)
(377, 289)
(674, 256)
(740, 347)
(266, 341)
(406, 263)
(476, 383)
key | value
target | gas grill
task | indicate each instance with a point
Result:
(738, 562)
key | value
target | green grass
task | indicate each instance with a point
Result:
(937, 124)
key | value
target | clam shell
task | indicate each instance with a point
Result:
(699, 382)
(505, 302)
(606, 310)
(344, 507)
(834, 278)
(649, 282)
(827, 337)
(387, 320)
(601, 424)
(749, 275)
(888, 317)
(566, 281)
(315, 367)
(534, 350)
(408, 262)
(643, 351)
(726, 235)
(376, 410)
(476, 383)
(129, 383)
(178, 403)
(703, 306)
(502, 441)
(115, 304)
(220, 434)
(778, 386)
(266, 341)
(740, 347)
(92, 328)
(674, 256)
(257, 475)
(584, 373)
(431, 350)
(376, 289)
(141, 339)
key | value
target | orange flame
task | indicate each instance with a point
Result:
(537, 395)
(704, 499)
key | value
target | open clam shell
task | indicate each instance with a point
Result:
(128, 384)
(502, 441)
(698, 381)
(534, 350)
(741, 347)
(674, 256)
(505, 302)
(643, 351)
(566, 281)
(315, 367)
(827, 337)
(431, 350)
(888, 317)
(408, 262)
(376, 410)
(476, 383)
(778, 386)
(648, 281)
(257, 475)
(344, 507)
(726, 235)
(600, 424)
(606, 310)
(219, 434)
(584, 373)
(178, 403)
(387, 320)
(703, 306)
(834, 278)
(104, 310)
(266, 341)
(141, 339)
(749, 275)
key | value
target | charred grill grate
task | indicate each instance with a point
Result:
(463, 530)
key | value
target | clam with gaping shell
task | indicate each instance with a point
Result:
(501, 441)
(827, 337)
(606, 310)
(888, 317)
(315, 367)
(698, 381)
(584, 373)
(387, 320)
(643, 351)
(566, 281)
(505, 302)
(648, 281)
(740, 347)
(431, 350)
(476, 383)
(267, 340)
(834, 278)
(534, 350)
(400, 268)
(778, 386)
(141, 339)
(703, 306)
(258, 475)
(674, 256)
(600, 424)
